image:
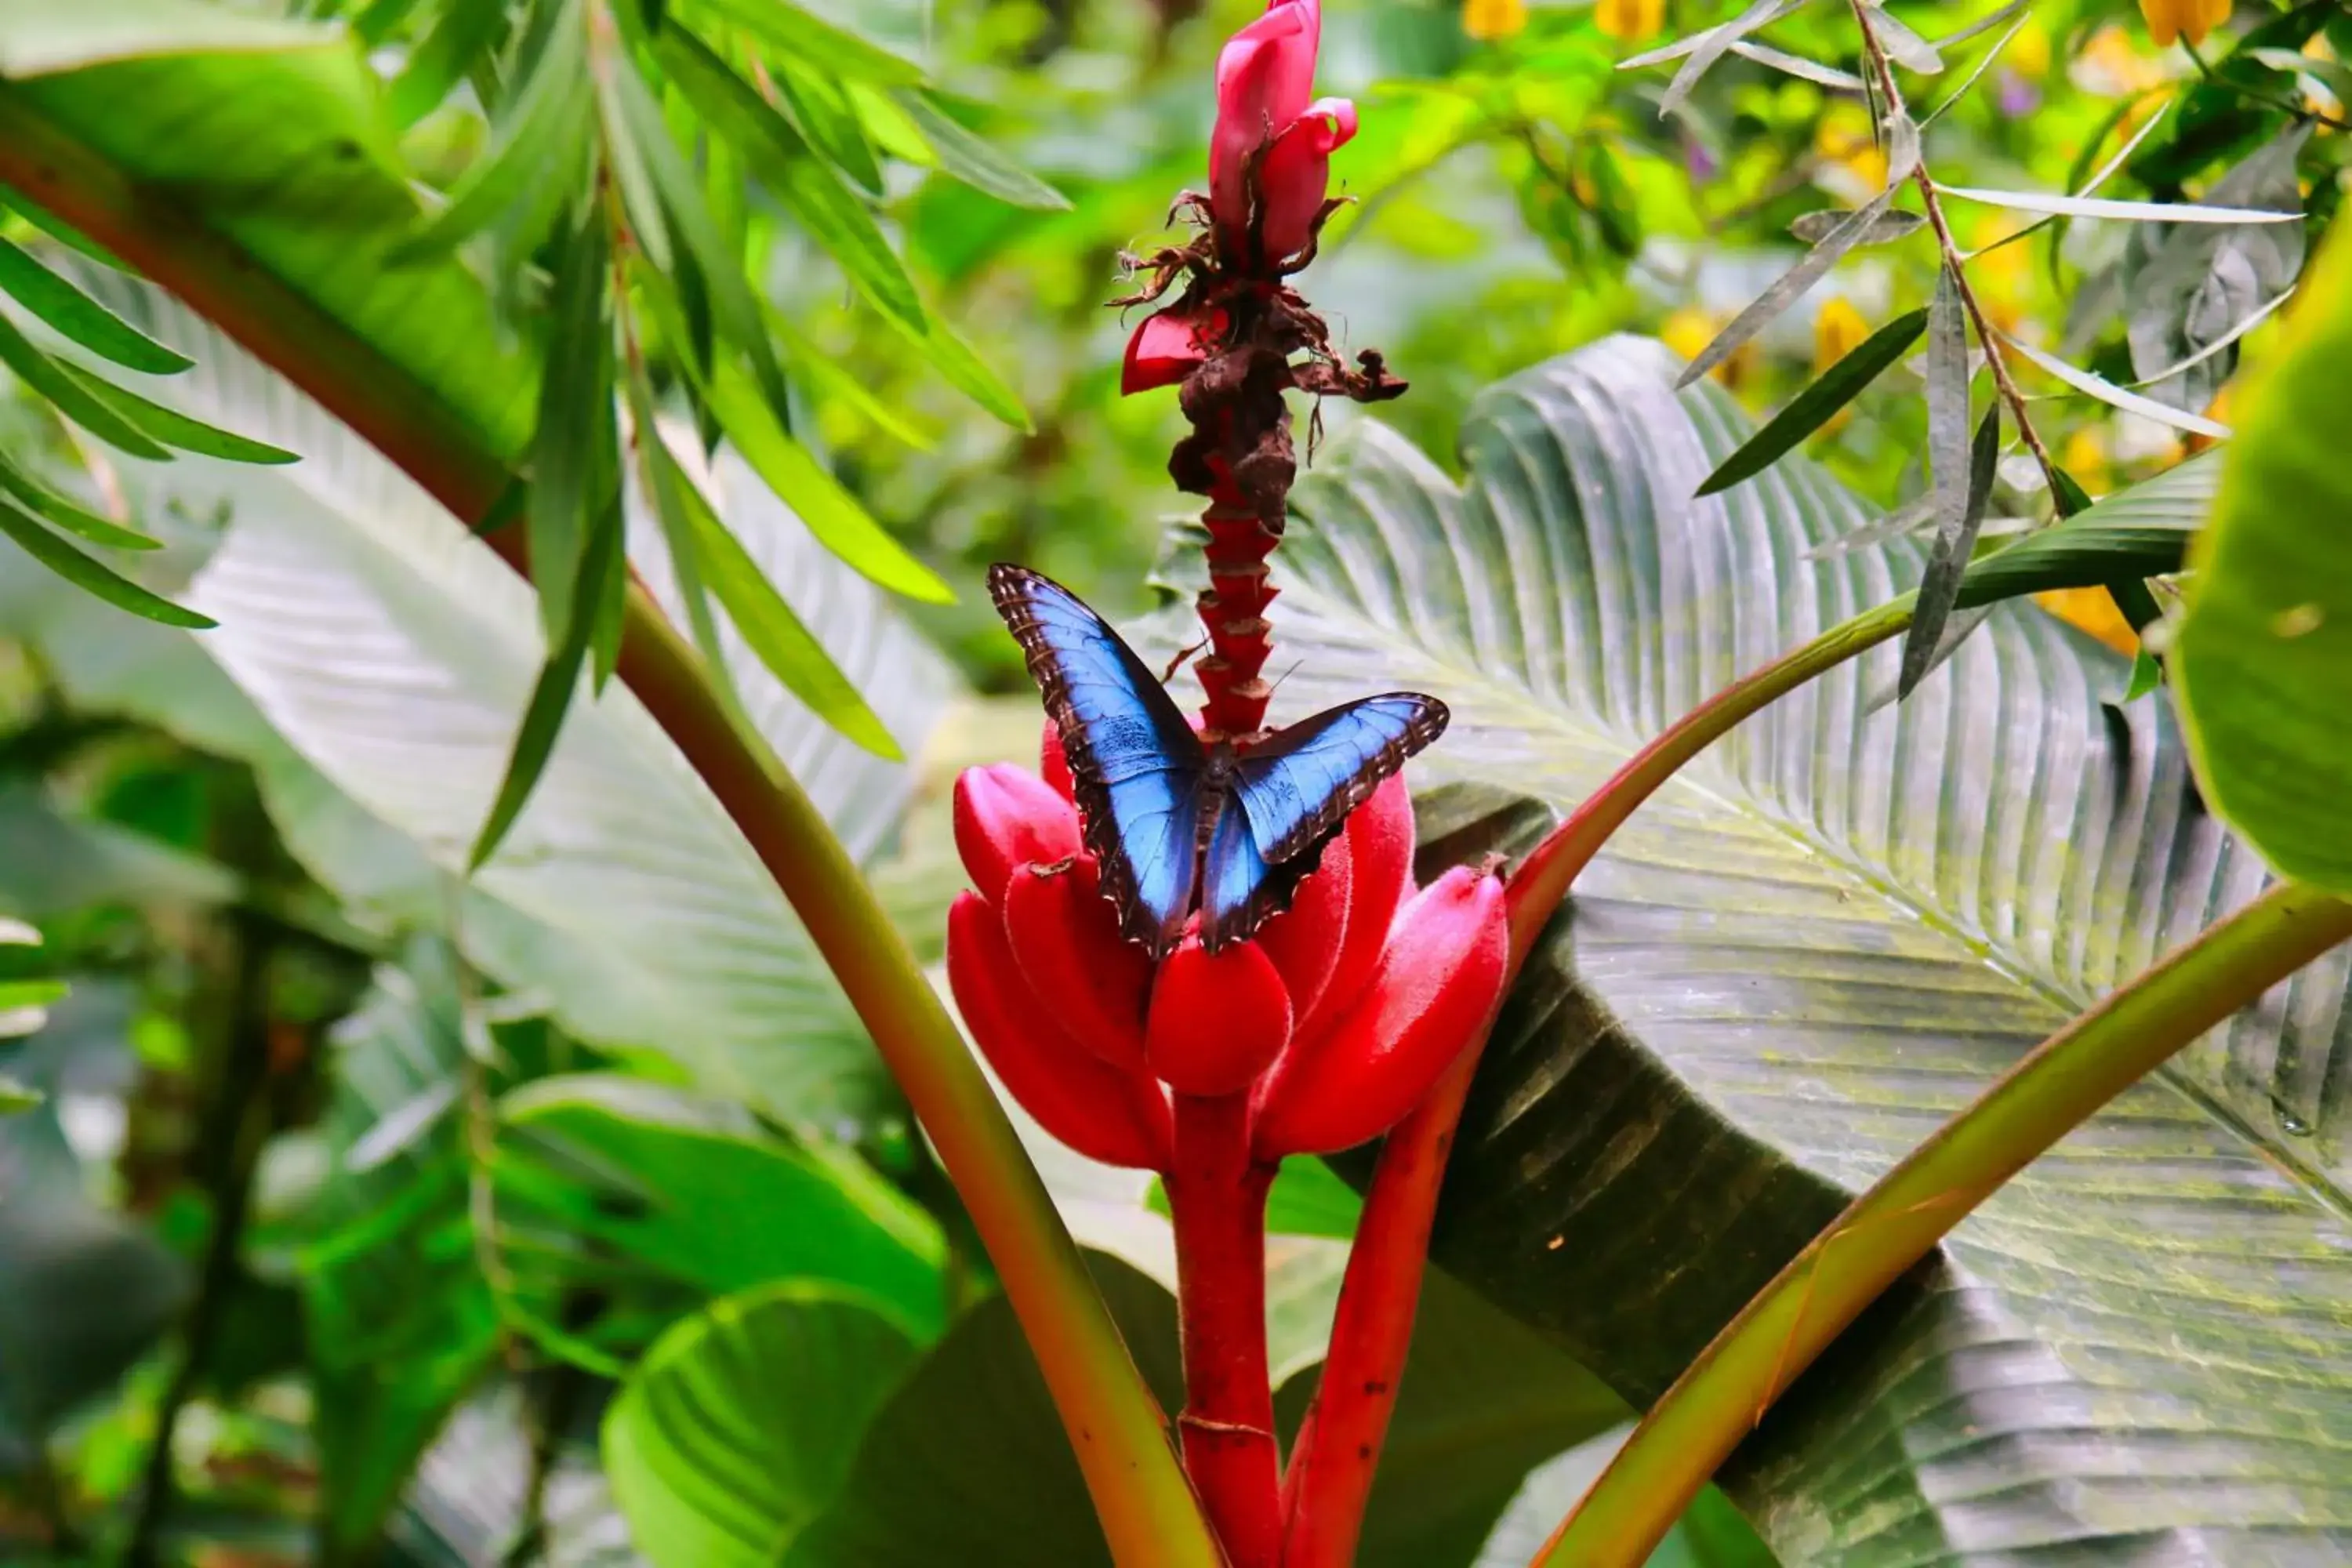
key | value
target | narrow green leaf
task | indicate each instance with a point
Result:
(968, 373)
(820, 45)
(16, 1097)
(825, 375)
(550, 697)
(89, 577)
(664, 486)
(172, 427)
(1812, 408)
(465, 30)
(54, 508)
(2068, 496)
(831, 512)
(81, 318)
(47, 377)
(833, 215)
(2147, 675)
(608, 612)
(735, 309)
(773, 632)
(563, 497)
(826, 115)
(57, 228)
(975, 162)
(542, 139)
(1926, 645)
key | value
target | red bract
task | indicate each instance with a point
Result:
(1336, 1018)
(1166, 347)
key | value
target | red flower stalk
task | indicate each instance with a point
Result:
(1318, 1034)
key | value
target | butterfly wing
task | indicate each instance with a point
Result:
(1137, 765)
(1292, 792)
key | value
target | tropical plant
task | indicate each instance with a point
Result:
(494, 730)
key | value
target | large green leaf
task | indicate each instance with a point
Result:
(1790, 965)
(2265, 658)
(966, 1463)
(373, 632)
(695, 1191)
(740, 1428)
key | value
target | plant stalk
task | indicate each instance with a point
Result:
(1117, 1430)
(1337, 1452)
(1216, 1198)
(1696, 1424)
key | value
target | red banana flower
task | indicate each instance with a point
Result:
(1337, 1018)
(1269, 170)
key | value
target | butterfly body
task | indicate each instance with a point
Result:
(1177, 823)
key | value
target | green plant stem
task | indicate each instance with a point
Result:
(1695, 1425)
(1338, 1451)
(1119, 1434)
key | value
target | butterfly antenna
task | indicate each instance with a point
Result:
(1279, 679)
(1183, 656)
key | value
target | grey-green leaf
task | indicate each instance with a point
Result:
(1785, 290)
(1925, 646)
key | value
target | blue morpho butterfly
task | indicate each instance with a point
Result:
(1168, 816)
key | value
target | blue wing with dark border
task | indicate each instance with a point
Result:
(1291, 792)
(1137, 765)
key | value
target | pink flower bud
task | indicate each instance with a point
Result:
(1217, 1021)
(1380, 835)
(1440, 980)
(1165, 348)
(1065, 937)
(1118, 1118)
(1265, 77)
(1305, 940)
(1006, 818)
(1297, 173)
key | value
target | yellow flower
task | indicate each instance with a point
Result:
(1688, 330)
(2112, 66)
(2085, 458)
(1843, 138)
(2000, 276)
(1488, 20)
(2217, 411)
(2168, 19)
(1838, 331)
(1630, 20)
(2029, 52)
(2091, 610)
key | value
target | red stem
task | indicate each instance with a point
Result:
(1216, 1196)
(1232, 609)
